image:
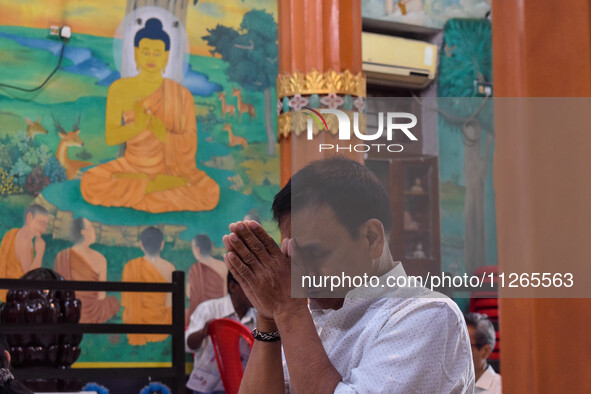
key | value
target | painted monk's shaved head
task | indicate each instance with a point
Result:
(34, 210)
(203, 242)
(151, 240)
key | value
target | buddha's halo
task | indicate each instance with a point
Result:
(123, 53)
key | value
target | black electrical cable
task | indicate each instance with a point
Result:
(59, 63)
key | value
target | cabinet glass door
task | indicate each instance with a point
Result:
(417, 213)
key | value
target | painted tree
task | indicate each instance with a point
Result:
(467, 57)
(252, 55)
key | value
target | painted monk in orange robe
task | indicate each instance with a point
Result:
(17, 253)
(148, 308)
(80, 262)
(158, 172)
(207, 277)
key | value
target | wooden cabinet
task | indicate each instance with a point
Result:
(413, 186)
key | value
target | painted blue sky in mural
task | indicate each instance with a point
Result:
(85, 63)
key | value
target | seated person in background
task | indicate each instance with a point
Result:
(482, 339)
(18, 254)
(7, 383)
(205, 377)
(147, 308)
(207, 277)
(80, 262)
(367, 339)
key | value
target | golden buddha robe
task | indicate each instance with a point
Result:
(109, 184)
(72, 266)
(144, 308)
(10, 265)
(204, 284)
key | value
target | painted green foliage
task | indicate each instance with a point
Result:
(466, 58)
(31, 165)
(468, 42)
(254, 47)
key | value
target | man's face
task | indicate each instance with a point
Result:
(238, 296)
(479, 356)
(322, 246)
(324, 303)
(37, 223)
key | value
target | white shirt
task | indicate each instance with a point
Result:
(205, 376)
(397, 340)
(489, 382)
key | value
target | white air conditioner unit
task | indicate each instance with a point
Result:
(399, 62)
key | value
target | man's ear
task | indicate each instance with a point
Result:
(162, 246)
(373, 231)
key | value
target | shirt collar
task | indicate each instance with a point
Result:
(487, 378)
(249, 316)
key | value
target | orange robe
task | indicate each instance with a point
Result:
(146, 154)
(204, 284)
(10, 266)
(144, 308)
(72, 266)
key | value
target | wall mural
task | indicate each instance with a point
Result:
(426, 13)
(156, 132)
(466, 143)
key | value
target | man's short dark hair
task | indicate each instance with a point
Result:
(349, 188)
(203, 242)
(282, 202)
(76, 230)
(151, 239)
(34, 210)
(230, 279)
(484, 333)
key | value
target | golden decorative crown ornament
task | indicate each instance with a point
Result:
(315, 82)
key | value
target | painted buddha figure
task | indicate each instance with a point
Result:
(155, 117)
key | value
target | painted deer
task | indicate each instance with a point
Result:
(226, 108)
(232, 139)
(35, 128)
(68, 139)
(242, 106)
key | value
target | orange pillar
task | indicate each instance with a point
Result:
(542, 48)
(319, 67)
